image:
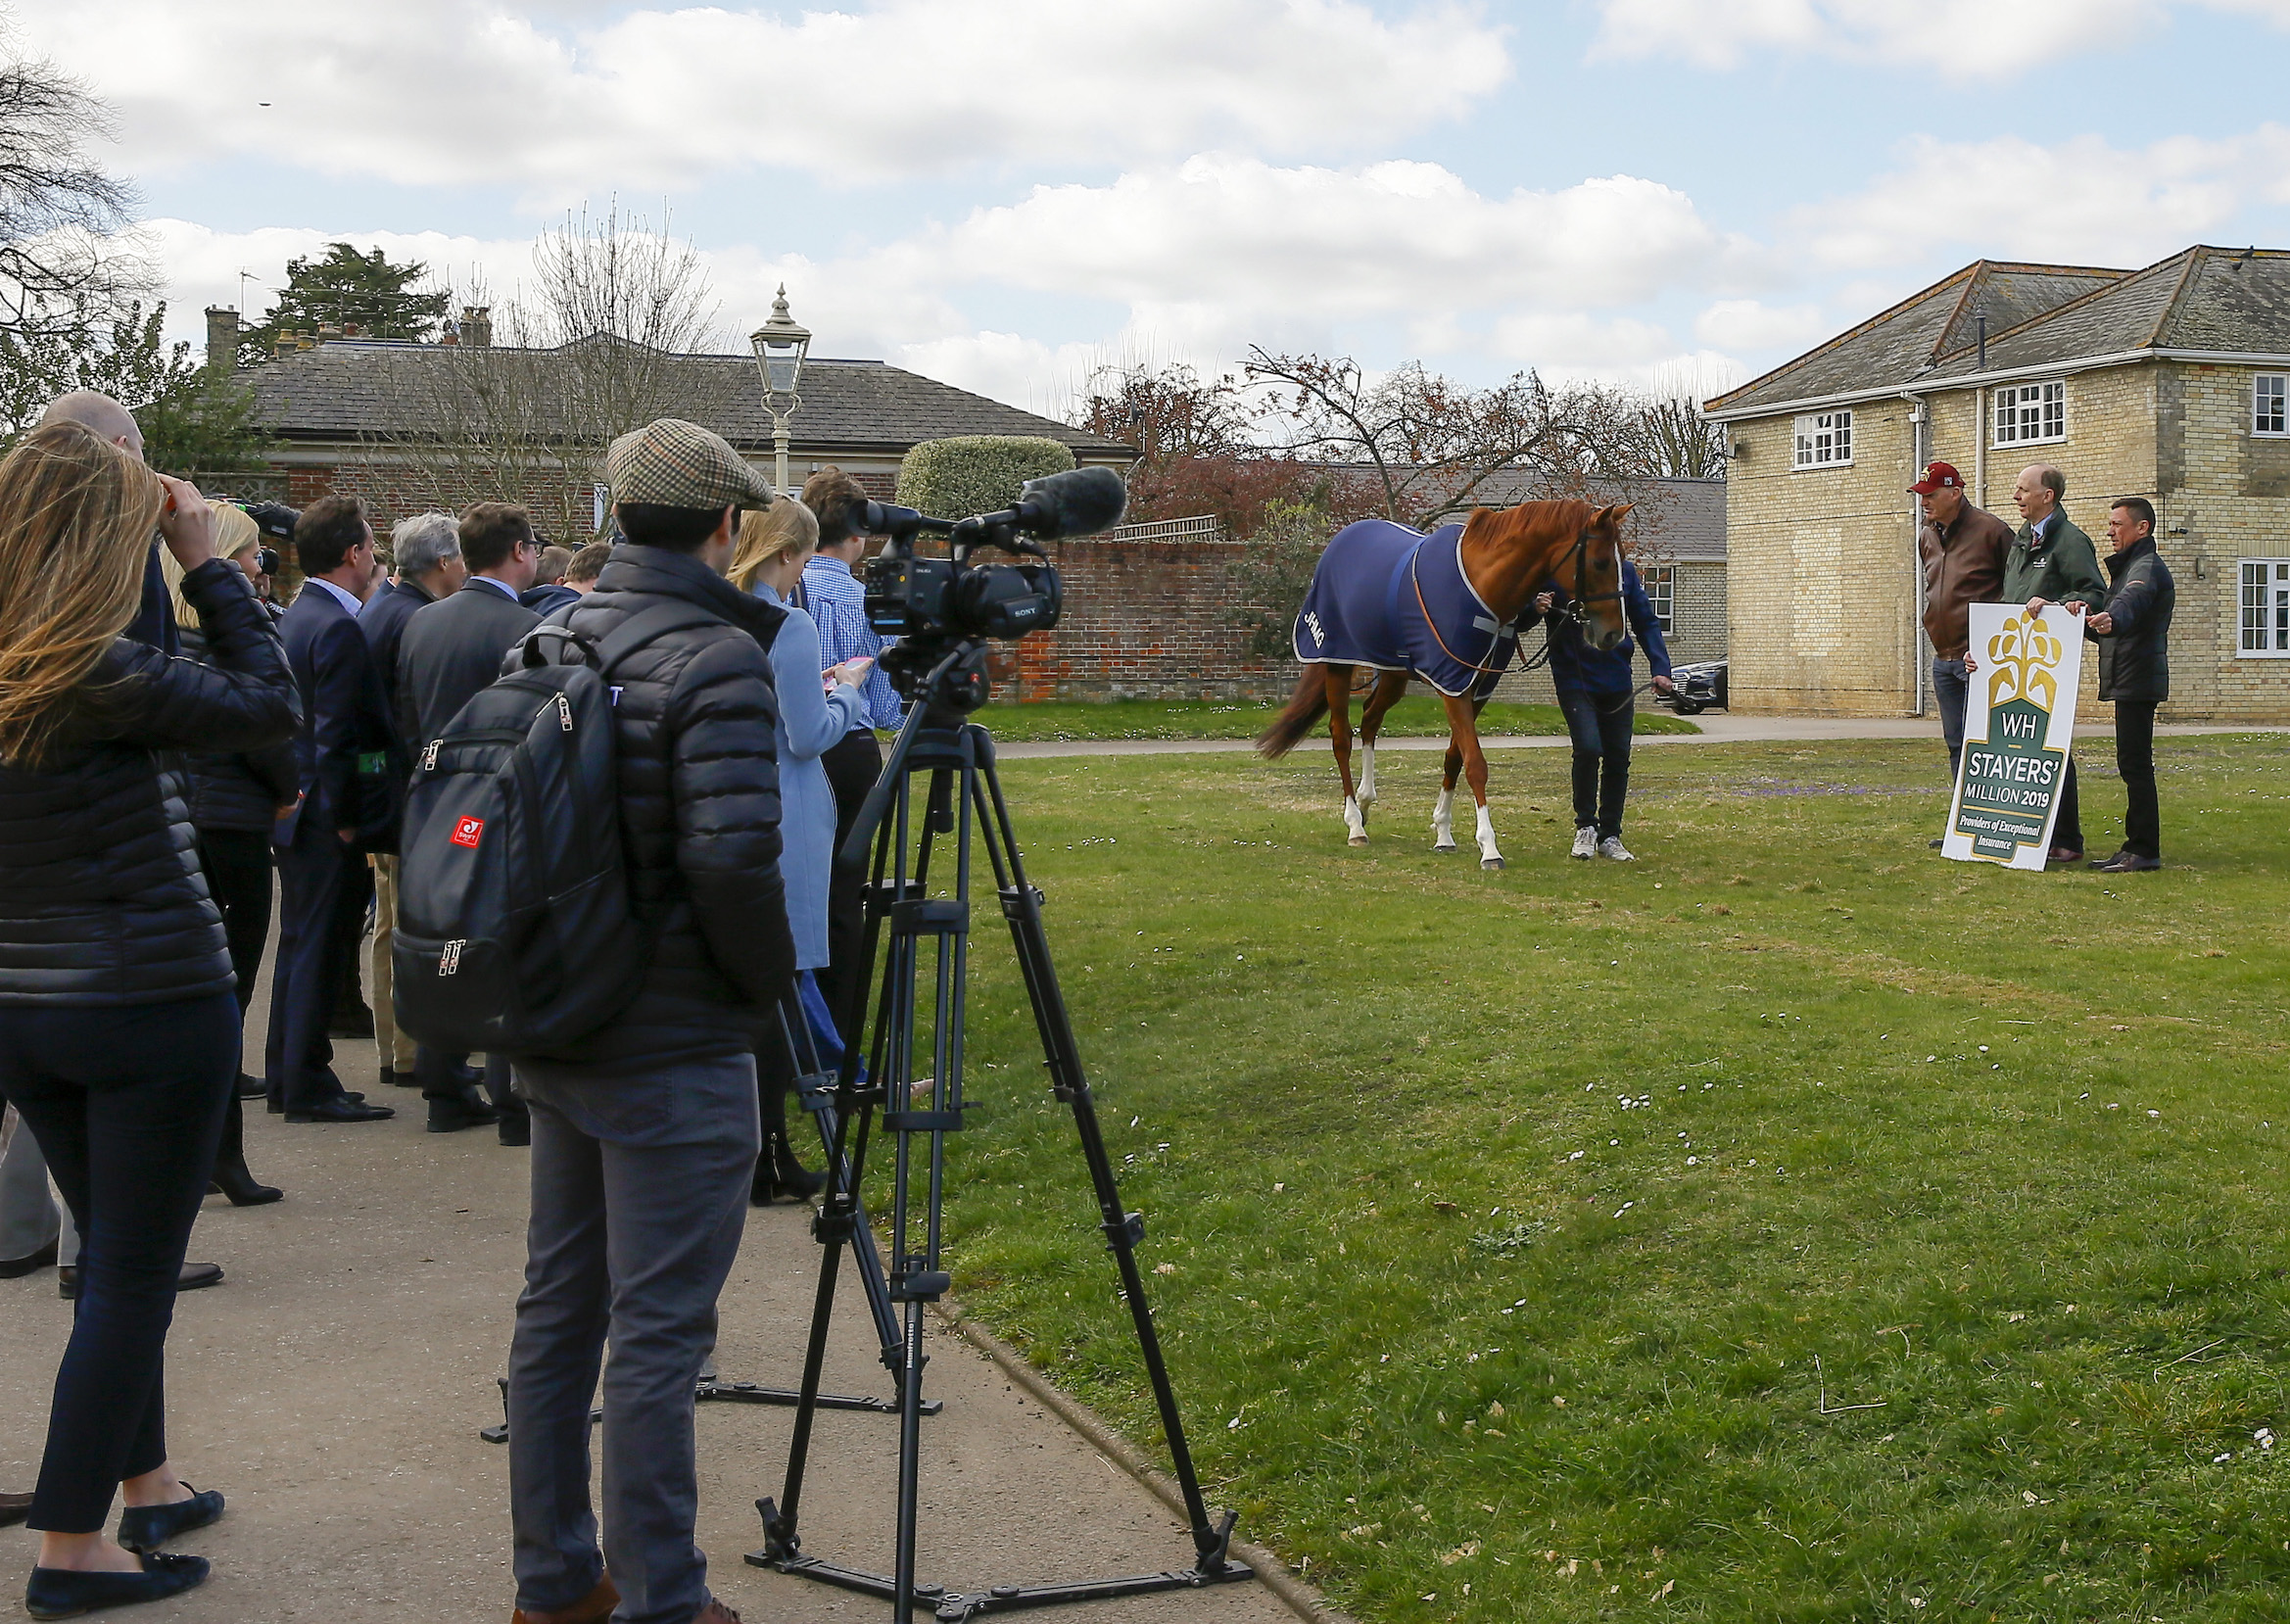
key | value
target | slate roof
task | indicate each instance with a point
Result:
(1893, 347)
(2217, 300)
(1679, 518)
(347, 389)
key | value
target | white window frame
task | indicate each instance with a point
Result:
(2033, 413)
(1823, 440)
(2261, 609)
(1660, 581)
(2269, 406)
(600, 500)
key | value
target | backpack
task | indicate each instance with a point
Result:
(515, 935)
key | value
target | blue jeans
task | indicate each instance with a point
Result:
(1951, 688)
(128, 1102)
(1600, 726)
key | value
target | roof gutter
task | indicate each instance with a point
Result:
(2008, 374)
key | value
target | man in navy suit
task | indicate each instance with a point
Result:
(350, 766)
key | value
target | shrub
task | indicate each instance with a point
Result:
(975, 473)
(1274, 571)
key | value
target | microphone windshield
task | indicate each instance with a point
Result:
(1081, 501)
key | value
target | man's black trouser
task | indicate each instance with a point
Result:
(126, 1101)
(2134, 759)
(1599, 725)
(321, 883)
(852, 764)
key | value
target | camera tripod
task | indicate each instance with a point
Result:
(964, 797)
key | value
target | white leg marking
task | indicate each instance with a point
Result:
(1366, 795)
(1355, 822)
(1443, 822)
(1489, 856)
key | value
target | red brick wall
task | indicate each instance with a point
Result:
(1143, 619)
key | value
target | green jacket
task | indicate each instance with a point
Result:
(2064, 570)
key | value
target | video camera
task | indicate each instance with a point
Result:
(934, 604)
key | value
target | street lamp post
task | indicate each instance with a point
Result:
(780, 346)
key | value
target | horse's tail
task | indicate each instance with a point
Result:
(1307, 705)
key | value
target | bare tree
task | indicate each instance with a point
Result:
(1674, 441)
(609, 337)
(66, 260)
(1431, 444)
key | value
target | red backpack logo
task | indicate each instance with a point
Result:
(467, 832)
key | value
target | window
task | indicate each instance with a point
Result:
(2266, 609)
(601, 496)
(2267, 404)
(2029, 412)
(1825, 439)
(1661, 586)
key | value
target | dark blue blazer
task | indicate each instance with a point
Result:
(1575, 664)
(383, 621)
(348, 763)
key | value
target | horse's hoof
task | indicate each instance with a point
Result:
(1449, 847)
(1359, 840)
(1491, 862)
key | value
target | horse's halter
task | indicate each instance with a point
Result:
(1576, 598)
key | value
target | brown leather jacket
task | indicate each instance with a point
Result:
(1963, 566)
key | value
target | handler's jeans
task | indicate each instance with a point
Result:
(1599, 725)
(639, 1192)
(1949, 688)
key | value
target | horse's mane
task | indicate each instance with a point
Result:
(1498, 526)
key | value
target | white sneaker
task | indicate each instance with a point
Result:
(1586, 842)
(1613, 846)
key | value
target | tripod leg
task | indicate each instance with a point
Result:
(1022, 907)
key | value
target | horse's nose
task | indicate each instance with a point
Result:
(1609, 639)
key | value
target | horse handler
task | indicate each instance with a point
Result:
(1600, 704)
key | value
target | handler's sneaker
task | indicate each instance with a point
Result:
(1586, 842)
(1613, 846)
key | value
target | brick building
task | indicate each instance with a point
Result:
(2168, 383)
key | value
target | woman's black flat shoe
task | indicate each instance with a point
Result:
(65, 1592)
(148, 1527)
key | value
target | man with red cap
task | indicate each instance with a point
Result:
(1964, 549)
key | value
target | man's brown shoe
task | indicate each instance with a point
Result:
(715, 1612)
(14, 1508)
(592, 1608)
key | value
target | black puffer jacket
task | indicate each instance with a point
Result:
(700, 808)
(101, 896)
(2134, 658)
(242, 789)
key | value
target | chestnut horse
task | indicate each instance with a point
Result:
(1506, 556)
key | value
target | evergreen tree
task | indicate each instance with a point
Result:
(194, 420)
(345, 289)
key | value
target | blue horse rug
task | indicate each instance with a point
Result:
(1397, 599)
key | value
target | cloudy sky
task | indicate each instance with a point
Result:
(1008, 193)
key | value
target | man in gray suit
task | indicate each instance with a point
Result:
(449, 652)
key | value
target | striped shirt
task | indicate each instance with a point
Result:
(838, 604)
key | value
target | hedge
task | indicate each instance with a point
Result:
(975, 473)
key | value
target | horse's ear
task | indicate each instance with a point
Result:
(1614, 516)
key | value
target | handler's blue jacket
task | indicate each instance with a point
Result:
(1575, 665)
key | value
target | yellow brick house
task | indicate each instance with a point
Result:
(2172, 383)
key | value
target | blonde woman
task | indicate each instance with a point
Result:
(232, 798)
(118, 1033)
(816, 709)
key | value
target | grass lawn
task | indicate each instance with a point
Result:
(1418, 716)
(1790, 1225)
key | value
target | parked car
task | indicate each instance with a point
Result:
(1700, 686)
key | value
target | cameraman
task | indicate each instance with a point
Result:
(837, 603)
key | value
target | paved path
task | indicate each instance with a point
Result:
(333, 1386)
(1716, 729)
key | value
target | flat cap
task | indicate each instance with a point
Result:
(679, 464)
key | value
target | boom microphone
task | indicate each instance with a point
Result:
(1080, 501)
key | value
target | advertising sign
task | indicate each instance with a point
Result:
(2019, 724)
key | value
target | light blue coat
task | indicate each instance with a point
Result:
(809, 722)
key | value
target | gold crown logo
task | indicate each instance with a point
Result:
(2023, 654)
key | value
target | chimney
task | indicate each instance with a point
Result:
(222, 337)
(477, 327)
(328, 332)
(286, 345)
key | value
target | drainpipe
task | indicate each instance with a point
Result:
(1919, 453)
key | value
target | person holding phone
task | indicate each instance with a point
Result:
(818, 706)
(118, 1027)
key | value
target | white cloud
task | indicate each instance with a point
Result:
(1737, 324)
(452, 92)
(2079, 201)
(1975, 39)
